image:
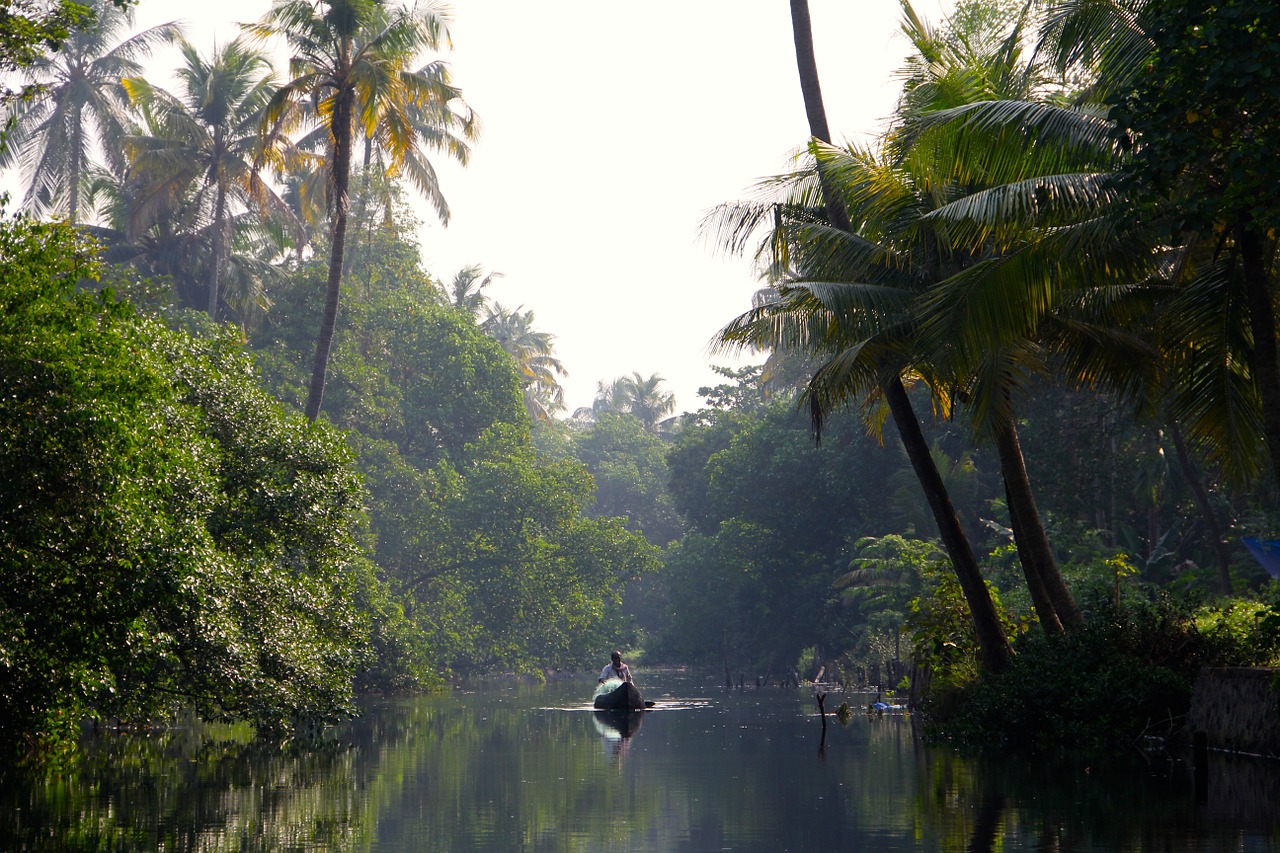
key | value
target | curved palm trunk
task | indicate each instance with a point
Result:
(1040, 599)
(815, 110)
(1262, 322)
(1220, 556)
(993, 645)
(1034, 549)
(341, 178)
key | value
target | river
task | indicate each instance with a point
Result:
(530, 768)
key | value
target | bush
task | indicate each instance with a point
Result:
(1130, 672)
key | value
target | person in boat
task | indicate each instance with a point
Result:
(615, 669)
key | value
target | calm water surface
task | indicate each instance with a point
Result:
(529, 768)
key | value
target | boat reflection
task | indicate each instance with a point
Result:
(616, 728)
(617, 724)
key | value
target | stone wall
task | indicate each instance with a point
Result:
(1238, 709)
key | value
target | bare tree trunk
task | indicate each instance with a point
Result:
(1040, 600)
(333, 290)
(215, 250)
(1028, 530)
(1262, 322)
(1221, 558)
(992, 641)
(815, 110)
(73, 179)
(994, 648)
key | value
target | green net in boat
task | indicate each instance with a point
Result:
(608, 686)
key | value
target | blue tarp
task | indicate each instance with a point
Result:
(1266, 552)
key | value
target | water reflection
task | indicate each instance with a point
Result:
(533, 769)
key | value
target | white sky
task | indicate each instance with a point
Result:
(610, 129)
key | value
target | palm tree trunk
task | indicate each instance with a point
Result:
(342, 111)
(1040, 600)
(993, 644)
(1028, 531)
(1262, 322)
(815, 110)
(76, 142)
(215, 250)
(1220, 556)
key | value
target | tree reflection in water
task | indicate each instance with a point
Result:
(530, 768)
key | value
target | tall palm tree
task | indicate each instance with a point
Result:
(533, 353)
(206, 150)
(440, 122)
(1210, 378)
(78, 102)
(350, 62)
(993, 643)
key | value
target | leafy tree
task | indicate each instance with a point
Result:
(770, 518)
(77, 100)
(628, 464)
(1201, 109)
(491, 549)
(30, 30)
(168, 534)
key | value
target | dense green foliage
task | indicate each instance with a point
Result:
(169, 533)
(772, 519)
(1069, 255)
(500, 563)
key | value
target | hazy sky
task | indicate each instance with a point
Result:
(610, 129)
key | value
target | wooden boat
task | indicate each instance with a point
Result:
(624, 697)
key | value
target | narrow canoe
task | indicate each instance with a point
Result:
(624, 697)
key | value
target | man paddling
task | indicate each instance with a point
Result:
(615, 669)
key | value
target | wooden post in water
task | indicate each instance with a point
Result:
(821, 698)
(728, 676)
(1200, 761)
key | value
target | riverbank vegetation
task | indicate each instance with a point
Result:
(1015, 368)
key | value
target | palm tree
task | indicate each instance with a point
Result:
(533, 354)
(648, 401)
(466, 291)
(994, 646)
(78, 100)
(1022, 226)
(440, 121)
(637, 396)
(1207, 374)
(206, 152)
(350, 62)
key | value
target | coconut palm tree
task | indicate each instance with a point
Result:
(637, 396)
(994, 646)
(533, 354)
(466, 291)
(78, 102)
(441, 122)
(1211, 379)
(350, 70)
(205, 151)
